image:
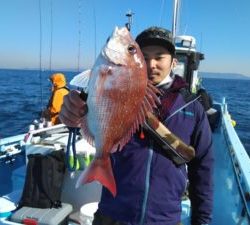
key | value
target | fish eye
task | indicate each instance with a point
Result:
(132, 49)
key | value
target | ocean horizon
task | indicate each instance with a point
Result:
(25, 93)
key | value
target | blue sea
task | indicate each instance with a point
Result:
(24, 93)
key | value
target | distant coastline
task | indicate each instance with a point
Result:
(224, 75)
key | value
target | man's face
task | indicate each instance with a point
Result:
(159, 62)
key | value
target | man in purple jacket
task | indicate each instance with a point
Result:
(150, 185)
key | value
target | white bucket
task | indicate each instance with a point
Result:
(87, 213)
(6, 207)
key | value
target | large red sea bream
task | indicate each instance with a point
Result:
(119, 96)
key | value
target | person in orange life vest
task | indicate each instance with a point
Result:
(59, 90)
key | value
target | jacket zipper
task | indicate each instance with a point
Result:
(145, 198)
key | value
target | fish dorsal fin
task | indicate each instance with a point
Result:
(81, 80)
(148, 104)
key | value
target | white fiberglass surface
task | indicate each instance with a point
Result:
(227, 200)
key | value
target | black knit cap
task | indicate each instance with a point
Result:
(156, 36)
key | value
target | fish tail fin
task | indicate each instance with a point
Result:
(100, 170)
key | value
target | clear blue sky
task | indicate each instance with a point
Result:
(221, 28)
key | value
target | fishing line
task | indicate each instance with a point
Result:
(51, 34)
(79, 34)
(161, 11)
(94, 15)
(40, 55)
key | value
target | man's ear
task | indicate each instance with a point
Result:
(174, 62)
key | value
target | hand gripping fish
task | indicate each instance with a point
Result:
(119, 98)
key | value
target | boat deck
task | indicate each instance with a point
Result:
(231, 176)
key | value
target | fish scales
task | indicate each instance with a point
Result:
(119, 97)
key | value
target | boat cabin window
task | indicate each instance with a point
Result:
(187, 63)
(181, 65)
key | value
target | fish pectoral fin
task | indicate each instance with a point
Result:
(100, 170)
(81, 80)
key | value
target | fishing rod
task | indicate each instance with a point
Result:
(175, 17)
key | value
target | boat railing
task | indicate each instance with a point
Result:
(45, 132)
(11, 146)
(239, 157)
(12, 140)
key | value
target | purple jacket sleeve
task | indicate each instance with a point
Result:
(200, 171)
